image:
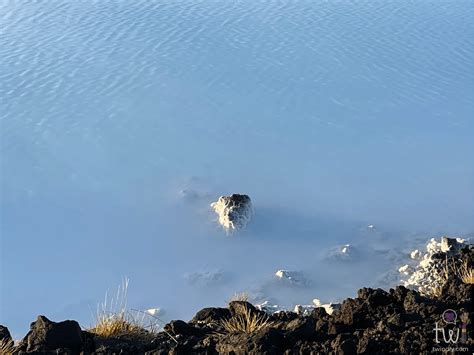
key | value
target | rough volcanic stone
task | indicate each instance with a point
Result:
(234, 211)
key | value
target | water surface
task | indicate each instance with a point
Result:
(330, 115)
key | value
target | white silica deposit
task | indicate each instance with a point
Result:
(426, 271)
(342, 252)
(330, 308)
(235, 211)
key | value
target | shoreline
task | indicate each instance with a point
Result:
(399, 320)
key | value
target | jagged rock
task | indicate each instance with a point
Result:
(319, 314)
(179, 327)
(395, 321)
(46, 335)
(354, 313)
(399, 293)
(449, 245)
(5, 334)
(284, 316)
(344, 344)
(126, 343)
(234, 211)
(268, 341)
(210, 315)
(412, 301)
(377, 297)
(329, 308)
(371, 343)
(410, 343)
(5, 337)
(302, 327)
(240, 308)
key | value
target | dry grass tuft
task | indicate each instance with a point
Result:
(247, 323)
(466, 273)
(7, 347)
(450, 270)
(113, 320)
(434, 291)
(239, 296)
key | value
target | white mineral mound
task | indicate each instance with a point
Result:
(234, 211)
(330, 308)
(426, 271)
(343, 252)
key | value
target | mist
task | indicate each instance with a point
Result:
(122, 122)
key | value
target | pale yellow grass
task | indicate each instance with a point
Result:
(466, 273)
(248, 322)
(239, 296)
(113, 320)
(7, 347)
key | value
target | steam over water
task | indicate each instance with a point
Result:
(121, 121)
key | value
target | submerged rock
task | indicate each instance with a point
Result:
(234, 211)
(205, 278)
(344, 252)
(291, 278)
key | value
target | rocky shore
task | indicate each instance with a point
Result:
(398, 321)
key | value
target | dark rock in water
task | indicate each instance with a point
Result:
(46, 335)
(234, 211)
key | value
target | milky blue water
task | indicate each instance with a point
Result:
(122, 120)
